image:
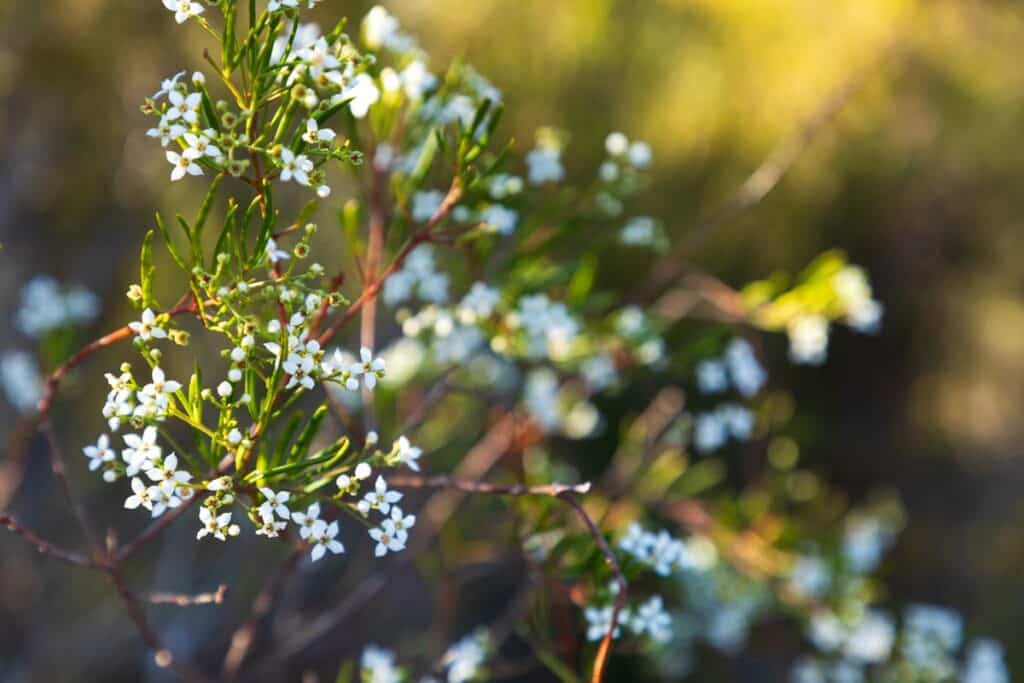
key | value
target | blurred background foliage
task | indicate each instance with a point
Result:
(917, 178)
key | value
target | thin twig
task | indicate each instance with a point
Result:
(188, 600)
(43, 546)
(765, 177)
(243, 637)
(443, 481)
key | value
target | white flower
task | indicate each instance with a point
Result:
(379, 28)
(140, 496)
(871, 640)
(425, 204)
(465, 658)
(710, 432)
(712, 377)
(502, 219)
(363, 471)
(200, 145)
(307, 520)
(224, 389)
(639, 231)
(378, 666)
(315, 134)
(599, 622)
(319, 57)
(545, 165)
(599, 371)
(184, 164)
(147, 328)
(220, 527)
(651, 618)
(183, 9)
(323, 536)
(402, 523)
(616, 144)
(167, 471)
(185, 107)
(640, 154)
(387, 539)
(168, 84)
(297, 167)
(269, 526)
(478, 303)
(141, 452)
(166, 131)
(99, 455)
(160, 389)
(744, 368)
(274, 254)
(416, 80)
(362, 94)
(22, 383)
(407, 454)
(164, 497)
(276, 502)
(275, 5)
(380, 498)
(370, 368)
(808, 339)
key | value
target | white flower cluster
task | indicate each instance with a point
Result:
(649, 618)
(550, 328)
(738, 365)
(46, 306)
(809, 334)
(463, 662)
(418, 275)
(127, 400)
(712, 430)
(660, 551)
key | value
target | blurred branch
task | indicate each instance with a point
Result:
(766, 176)
(186, 600)
(243, 637)
(442, 481)
(45, 547)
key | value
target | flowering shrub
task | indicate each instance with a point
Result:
(487, 268)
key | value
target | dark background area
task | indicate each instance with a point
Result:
(917, 179)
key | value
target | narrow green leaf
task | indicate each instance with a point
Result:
(301, 445)
(170, 245)
(146, 270)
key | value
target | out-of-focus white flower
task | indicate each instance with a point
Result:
(712, 377)
(465, 659)
(425, 204)
(747, 374)
(872, 638)
(22, 383)
(500, 218)
(599, 622)
(639, 231)
(362, 93)
(652, 619)
(545, 165)
(808, 339)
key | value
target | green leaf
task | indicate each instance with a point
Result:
(146, 270)
(226, 233)
(346, 672)
(301, 445)
(286, 438)
(195, 401)
(170, 245)
(583, 278)
(425, 160)
(204, 211)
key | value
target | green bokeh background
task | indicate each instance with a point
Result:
(918, 179)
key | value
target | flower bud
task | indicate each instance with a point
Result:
(224, 390)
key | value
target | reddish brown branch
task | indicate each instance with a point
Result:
(419, 237)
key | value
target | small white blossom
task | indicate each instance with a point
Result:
(185, 107)
(307, 520)
(599, 622)
(166, 131)
(545, 165)
(651, 618)
(183, 9)
(407, 454)
(274, 255)
(140, 496)
(147, 328)
(183, 164)
(219, 526)
(380, 498)
(315, 134)
(277, 502)
(323, 537)
(295, 166)
(387, 539)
